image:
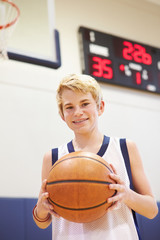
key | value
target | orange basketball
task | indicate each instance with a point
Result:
(78, 186)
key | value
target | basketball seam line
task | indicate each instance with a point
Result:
(81, 209)
(79, 180)
(78, 209)
(81, 157)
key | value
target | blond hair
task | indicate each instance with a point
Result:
(81, 83)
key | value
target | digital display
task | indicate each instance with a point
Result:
(135, 52)
(120, 61)
(101, 67)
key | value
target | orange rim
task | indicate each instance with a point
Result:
(12, 22)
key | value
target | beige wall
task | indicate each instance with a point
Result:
(30, 125)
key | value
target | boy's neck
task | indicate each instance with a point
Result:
(90, 143)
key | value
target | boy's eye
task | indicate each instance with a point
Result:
(85, 104)
(69, 107)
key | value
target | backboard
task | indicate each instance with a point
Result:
(35, 39)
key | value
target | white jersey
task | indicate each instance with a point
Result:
(117, 224)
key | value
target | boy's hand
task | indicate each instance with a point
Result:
(119, 186)
(43, 205)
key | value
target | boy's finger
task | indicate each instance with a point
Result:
(44, 185)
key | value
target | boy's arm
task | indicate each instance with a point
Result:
(43, 211)
(41, 215)
(141, 200)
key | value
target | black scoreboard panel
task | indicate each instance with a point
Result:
(120, 61)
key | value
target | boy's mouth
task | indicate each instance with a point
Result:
(80, 120)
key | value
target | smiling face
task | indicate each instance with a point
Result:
(80, 111)
(79, 83)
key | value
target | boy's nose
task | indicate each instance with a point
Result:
(78, 111)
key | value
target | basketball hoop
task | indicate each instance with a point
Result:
(9, 14)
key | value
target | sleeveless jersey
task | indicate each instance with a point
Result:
(116, 224)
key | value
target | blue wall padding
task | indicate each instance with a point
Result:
(16, 222)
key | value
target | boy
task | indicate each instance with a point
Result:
(80, 104)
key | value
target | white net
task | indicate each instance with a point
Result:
(9, 14)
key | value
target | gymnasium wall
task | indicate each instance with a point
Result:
(29, 120)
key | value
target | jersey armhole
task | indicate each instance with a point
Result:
(54, 155)
(125, 154)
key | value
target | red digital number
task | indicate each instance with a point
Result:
(138, 78)
(136, 53)
(147, 59)
(97, 66)
(102, 68)
(127, 52)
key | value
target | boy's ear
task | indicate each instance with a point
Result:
(62, 116)
(101, 108)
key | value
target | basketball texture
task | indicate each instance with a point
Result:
(78, 186)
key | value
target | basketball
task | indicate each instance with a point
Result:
(78, 186)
